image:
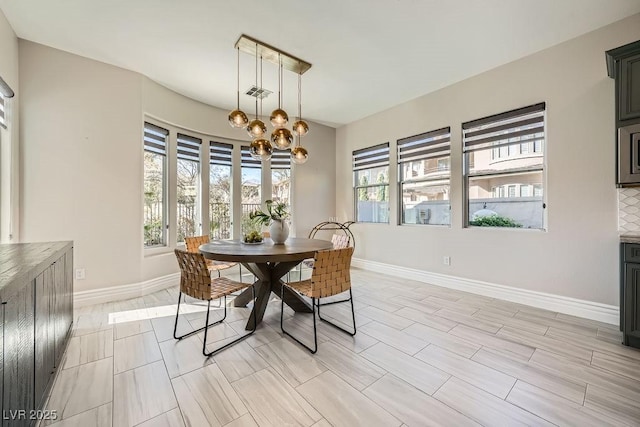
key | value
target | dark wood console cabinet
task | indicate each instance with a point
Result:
(630, 293)
(36, 292)
(623, 65)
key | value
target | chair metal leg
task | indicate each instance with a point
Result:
(206, 324)
(204, 344)
(315, 332)
(353, 314)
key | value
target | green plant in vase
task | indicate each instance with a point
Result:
(276, 217)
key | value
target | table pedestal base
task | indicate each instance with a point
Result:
(269, 280)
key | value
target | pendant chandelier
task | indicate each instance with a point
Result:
(282, 138)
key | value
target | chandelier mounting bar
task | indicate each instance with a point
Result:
(271, 54)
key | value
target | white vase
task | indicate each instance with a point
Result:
(279, 231)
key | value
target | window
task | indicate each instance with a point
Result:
(220, 161)
(491, 187)
(425, 197)
(371, 183)
(155, 185)
(281, 176)
(188, 181)
(251, 179)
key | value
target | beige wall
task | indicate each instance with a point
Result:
(82, 162)
(80, 133)
(9, 138)
(578, 255)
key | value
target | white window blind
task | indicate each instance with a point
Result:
(188, 148)
(502, 130)
(427, 145)
(220, 153)
(155, 139)
(247, 161)
(281, 159)
(371, 157)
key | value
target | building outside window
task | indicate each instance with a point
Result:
(188, 186)
(504, 168)
(220, 202)
(425, 196)
(371, 183)
(155, 185)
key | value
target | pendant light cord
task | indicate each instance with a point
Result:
(279, 81)
(299, 94)
(256, 79)
(238, 78)
(261, 90)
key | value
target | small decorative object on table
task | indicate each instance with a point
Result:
(252, 238)
(276, 216)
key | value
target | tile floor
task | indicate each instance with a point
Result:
(423, 355)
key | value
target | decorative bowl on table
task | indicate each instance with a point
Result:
(253, 238)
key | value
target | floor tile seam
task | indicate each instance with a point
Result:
(432, 395)
(134, 335)
(550, 349)
(609, 371)
(173, 390)
(348, 385)
(548, 391)
(453, 375)
(540, 367)
(58, 421)
(138, 366)
(527, 410)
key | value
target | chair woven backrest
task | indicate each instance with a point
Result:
(331, 272)
(193, 243)
(340, 241)
(194, 275)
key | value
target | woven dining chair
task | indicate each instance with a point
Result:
(193, 243)
(196, 282)
(339, 241)
(331, 276)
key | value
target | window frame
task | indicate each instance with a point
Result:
(190, 141)
(221, 154)
(432, 141)
(165, 187)
(245, 162)
(368, 158)
(281, 160)
(542, 142)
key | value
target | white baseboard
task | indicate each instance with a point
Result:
(561, 304)
(116, 293)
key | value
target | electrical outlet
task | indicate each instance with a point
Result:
(80, 274)
(446, 260)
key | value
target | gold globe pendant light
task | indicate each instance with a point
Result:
(260, 148)
(237, 118)
(257, 128)
(300, 127)
(282, 138)
(279, 118)
(299, 154)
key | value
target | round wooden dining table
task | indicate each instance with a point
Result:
(269, 263)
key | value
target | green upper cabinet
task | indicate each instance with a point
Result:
(623, 65)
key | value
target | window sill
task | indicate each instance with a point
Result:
(157, 250)
(517, 229)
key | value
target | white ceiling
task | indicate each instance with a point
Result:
(367, 55)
